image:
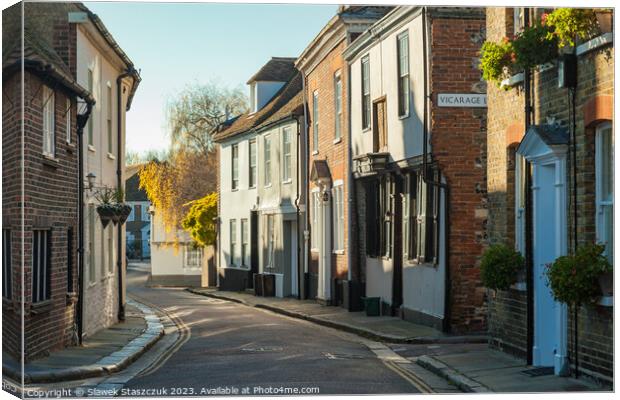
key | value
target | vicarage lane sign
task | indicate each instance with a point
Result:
(461, 100)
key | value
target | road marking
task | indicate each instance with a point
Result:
(409, 376)
(183, 330)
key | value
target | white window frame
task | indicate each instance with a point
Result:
(245, 234)
(315, 121)
(234, 155)
(90, 123)
(404, 84)
(267, 159)
(338, 216)
(270, 225)
(365, 89)
(253, 163)
(233, 241)
(109, 110)
(49, 123)
(192, 257)
(337, 106)
(286, 154)
(603, 204)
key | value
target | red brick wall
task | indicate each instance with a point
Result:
(321, 78)
(458, 142)
(50, 202)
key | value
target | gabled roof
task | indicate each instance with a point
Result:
(543, 140)
(288, 101)
(278, 69)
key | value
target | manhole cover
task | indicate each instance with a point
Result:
(542, 371)
(340, 356)
(262, 349)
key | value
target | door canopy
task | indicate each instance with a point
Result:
(544, 141)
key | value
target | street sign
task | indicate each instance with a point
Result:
(461, 100)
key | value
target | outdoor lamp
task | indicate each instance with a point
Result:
(91, 180)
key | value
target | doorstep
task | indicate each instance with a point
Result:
(106, 352)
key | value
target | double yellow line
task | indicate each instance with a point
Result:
(409, 376)
(183, 331)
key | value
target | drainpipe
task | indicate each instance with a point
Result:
(446, 189)
(119, 182)
(297, 199)
(307, 188)
(81, 122)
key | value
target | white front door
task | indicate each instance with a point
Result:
(325, 251)
(549, 236)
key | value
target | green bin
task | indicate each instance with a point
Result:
(371, 305)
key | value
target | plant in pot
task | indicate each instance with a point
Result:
(500, 267)
(533, 47)
(570, 24)
(122, 209)
(574, 279)
(106, 209)
(496, 61)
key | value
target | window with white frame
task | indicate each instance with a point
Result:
(604, 154)
(245, 236)
(91, 85)
(91, 243)
(267, 154)
(235, 166)
(286, 154)
(104, 255)
(109, 120)
(68, 120)
(48, 102)
(41, 265)
(253, 169)
(403, 73)
(7, 270)
(366, 104)
(192, 257)
(315, 121)
(315, 198)
(233, 241)
(338, 105)
(338, 217)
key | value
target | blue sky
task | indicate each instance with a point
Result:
(177, 44)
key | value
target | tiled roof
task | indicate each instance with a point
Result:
(278, 69)
(286, 102)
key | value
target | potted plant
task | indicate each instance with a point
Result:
(106, 209)
(533, 47)
(569, 24)
(574, 279)
(496, 61)
(500, 267)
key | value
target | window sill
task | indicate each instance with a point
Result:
(111, 156)
(41, 307)
(92, 148)
(267, 186)
(91, 284)
(315, 152)
(288, 181)
(71, 147)
(337, 140)
(50, 161)
(314, 250)
(338, 252)
(513, 80)
(234, 190)
(367, 129)
(404, 116)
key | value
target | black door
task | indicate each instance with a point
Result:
(253, 247)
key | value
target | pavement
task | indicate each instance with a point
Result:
(476, 368)
(108, 351)
(381, 328)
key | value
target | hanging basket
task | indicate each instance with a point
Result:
(124, 211)
(106, 213)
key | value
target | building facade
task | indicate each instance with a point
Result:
(330, 276)
(138, 224)
(550, 192)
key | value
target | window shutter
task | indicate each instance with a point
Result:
(431, 219)
(371, 218)
(421, 236)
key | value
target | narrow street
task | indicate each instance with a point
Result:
(232, 347)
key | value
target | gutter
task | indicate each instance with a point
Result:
(119, 181)
(81, 122)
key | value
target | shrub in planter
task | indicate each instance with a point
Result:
(496, 60)
(500, 267)
(534, 47)
(574, 279)
(567, 24)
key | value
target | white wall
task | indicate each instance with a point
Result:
(405, 135)
(101, 291)
(167, 250)
(235, 204)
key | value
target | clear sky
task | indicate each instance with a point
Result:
(176, 44)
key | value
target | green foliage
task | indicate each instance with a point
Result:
(573, 279)
(533, 47)
(499, 267)
(496, 61)
(566, 24)
(199, 220)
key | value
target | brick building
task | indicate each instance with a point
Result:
(39, 183)
(328, 276)
(421, 222)
(530, 165)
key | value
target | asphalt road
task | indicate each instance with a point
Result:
(234, 349)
